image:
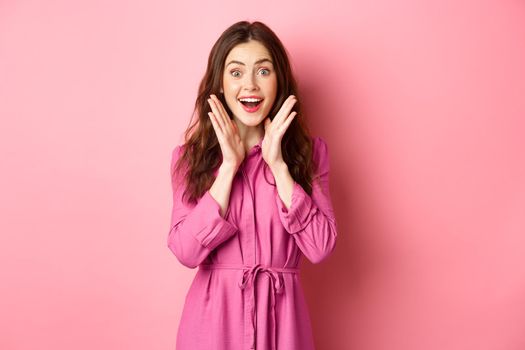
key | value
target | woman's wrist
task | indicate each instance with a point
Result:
(279, 168)
(228, 169)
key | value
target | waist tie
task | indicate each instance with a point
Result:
(247, 283)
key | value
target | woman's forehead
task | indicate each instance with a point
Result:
(249, 53)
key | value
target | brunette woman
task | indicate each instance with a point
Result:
(250, 198)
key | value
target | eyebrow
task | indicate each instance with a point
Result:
(257, 62)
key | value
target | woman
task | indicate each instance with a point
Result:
(250, 197)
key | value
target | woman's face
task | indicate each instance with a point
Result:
(249, 73)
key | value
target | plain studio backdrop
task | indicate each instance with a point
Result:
(422, 106)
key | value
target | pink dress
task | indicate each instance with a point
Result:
(247, 293)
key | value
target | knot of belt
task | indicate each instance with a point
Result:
(247, 282)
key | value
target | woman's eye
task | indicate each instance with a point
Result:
(236, 73)
(264, 71)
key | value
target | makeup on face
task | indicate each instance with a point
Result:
(249, 82)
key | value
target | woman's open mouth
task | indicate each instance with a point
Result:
(251, 105)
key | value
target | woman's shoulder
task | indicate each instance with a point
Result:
(320, 155)
(177, 150)
(318, 140)
(179, 147)
(176, 154)
(319, 147)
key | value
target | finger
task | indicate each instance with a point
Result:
(285, 110)
(222, 115)
(221, 108)
(288, 121)
(217, 114)
(215, 125)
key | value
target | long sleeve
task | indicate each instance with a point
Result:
(196, 229)
(311, 219)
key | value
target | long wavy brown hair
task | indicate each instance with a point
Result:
(201, 154)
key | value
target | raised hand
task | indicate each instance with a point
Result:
(232, 148)
(274, 132)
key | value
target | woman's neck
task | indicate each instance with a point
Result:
(250, 135)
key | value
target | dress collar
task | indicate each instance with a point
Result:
(256, 148)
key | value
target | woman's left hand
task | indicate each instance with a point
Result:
(274, 131)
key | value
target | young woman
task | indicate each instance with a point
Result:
(250, 197)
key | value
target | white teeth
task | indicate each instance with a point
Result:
(250, 99)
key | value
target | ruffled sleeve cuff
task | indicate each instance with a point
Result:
(300, 213)
(207, 225)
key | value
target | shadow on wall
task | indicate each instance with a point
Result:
(333, 287)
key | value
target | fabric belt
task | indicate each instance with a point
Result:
(247, 283)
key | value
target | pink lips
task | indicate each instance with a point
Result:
(251, 110)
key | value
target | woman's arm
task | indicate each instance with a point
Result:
(197, 229)
(310, 219)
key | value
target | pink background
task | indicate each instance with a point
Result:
(421, 103)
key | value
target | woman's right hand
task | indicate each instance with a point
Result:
(232, 148)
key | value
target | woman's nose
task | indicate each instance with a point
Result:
(250, 83)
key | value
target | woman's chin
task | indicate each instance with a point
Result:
(251, 120)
